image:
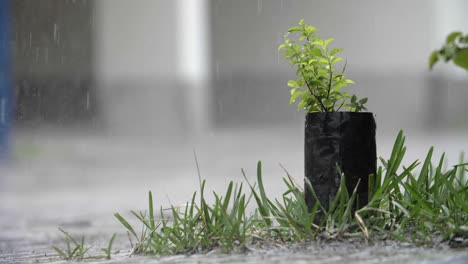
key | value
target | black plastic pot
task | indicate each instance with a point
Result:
(343, 139)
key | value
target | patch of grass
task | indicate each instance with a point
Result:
(108, 250)
(418, 203)
(76, 250)
(289, 218)
(193, 227)
(418, 206)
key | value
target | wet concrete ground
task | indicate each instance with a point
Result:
(77, 182)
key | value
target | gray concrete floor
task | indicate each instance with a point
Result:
(77, 181)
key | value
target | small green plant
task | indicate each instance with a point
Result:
(194, 227)
(319, 85)
(108, 251)
(455, 49)
(417, 207)
(75, 250)
(149, 226)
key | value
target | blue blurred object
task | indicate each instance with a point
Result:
(5, 80)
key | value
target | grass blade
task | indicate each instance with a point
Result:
(151, 210)
(126, 224)
(61, 253)
(261, 188)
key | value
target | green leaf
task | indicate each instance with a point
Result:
(262, 208)
(433, 59)
(108, 250)
(402, 208)
(294, 29)
(301, 104)
(338, 85)
(310, 29)
(461, 58)
(151, 210)
(335, 51)
(316, 52)
(336, 59)
(227, 197)
(260, 183)
(293, 91)
(328, 41)
(452, 36)
(324, 60)
(293, 84)
(60, 252)
(338, 76)
(126, 224)
(282, 46)
(295, 95)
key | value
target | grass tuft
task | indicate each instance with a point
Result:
(75, 249)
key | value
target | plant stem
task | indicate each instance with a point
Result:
(342, 72)
(330, 70)
(312, 93)
(339, 107)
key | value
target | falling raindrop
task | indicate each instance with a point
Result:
(46, 55)
(30, 39)
(220, 108)
(87, 101)
(278, 57)
(92, 17)
(281, 3)
(55, 31)
(3, 111)
(259, 7)
(37, 54)
(217, 71)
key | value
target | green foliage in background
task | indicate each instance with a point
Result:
(319, 86)
(455, 49)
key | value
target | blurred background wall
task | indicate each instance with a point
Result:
(135, 44)
(121, 66)
(54, 62)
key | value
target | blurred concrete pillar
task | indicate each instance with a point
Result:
(135, 54)
(193, 61)
(5, 79)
